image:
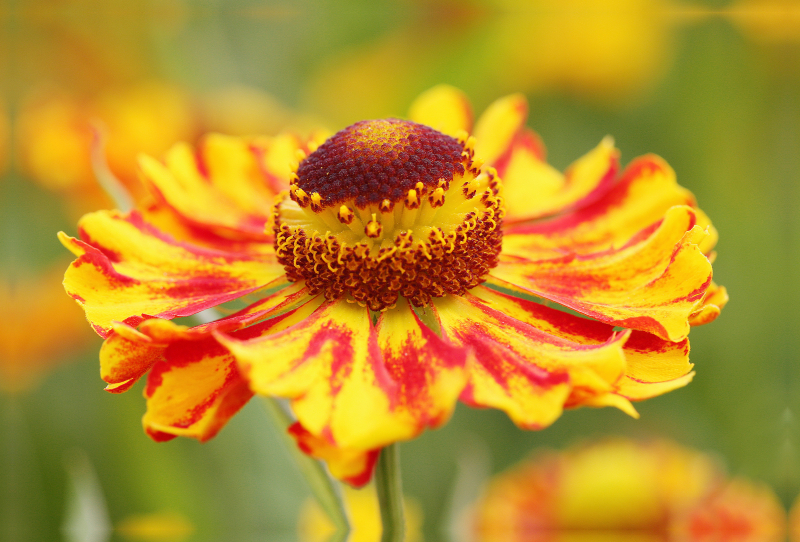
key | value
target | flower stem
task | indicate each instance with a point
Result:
(112, 186)
(325, 489)
(390, 494)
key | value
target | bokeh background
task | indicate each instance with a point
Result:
(710, 85)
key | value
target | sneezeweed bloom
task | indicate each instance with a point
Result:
(395, 273)
(638, 490)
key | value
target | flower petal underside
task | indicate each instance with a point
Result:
(176, 355)
(128, 271)
(200, 410)
(352, 466)
(713, 302)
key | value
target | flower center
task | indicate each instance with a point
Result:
(389, 208)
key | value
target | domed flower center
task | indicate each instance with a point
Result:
(390, 208)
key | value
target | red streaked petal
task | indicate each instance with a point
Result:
(194, 391)
(713, 302)
(429, 372)
(529, 373)
(611, 215)
(128, 353)
(219, 189)
(534, 189)
(652, 284)
(352, 466)
(127, 271)
(331, 363)
(653, 366)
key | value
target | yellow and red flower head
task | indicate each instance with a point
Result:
(397, 275)
(624, 489)
(405, 211)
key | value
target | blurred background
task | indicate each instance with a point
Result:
(712, 86)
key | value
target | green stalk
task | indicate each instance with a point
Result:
(390, 494)
(325, 489)
(105, 177)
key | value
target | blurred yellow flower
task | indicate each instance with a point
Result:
(604, 52)
(156, 527)
(794, 521)
(767, 21)
(54, 134)
(656, 489)
(365, 518)
(54, 130)
(39, 329)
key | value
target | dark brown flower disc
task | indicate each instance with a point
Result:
(374, 160)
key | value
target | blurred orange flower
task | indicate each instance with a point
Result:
(646, 490)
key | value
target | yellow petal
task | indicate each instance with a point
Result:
(353, 466)
(498, 126)
(611, 214)
(534, 189)
(357, 386)
(193, 392)
(713, 302)
(443, 108)
(127, 270)
(527, 372)
(652, 284)
(220, 189)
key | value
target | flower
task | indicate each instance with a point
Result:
(395, 276)
(646, 490)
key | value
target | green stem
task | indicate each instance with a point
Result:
(325, 489)
(390, 494)
(105, 177)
